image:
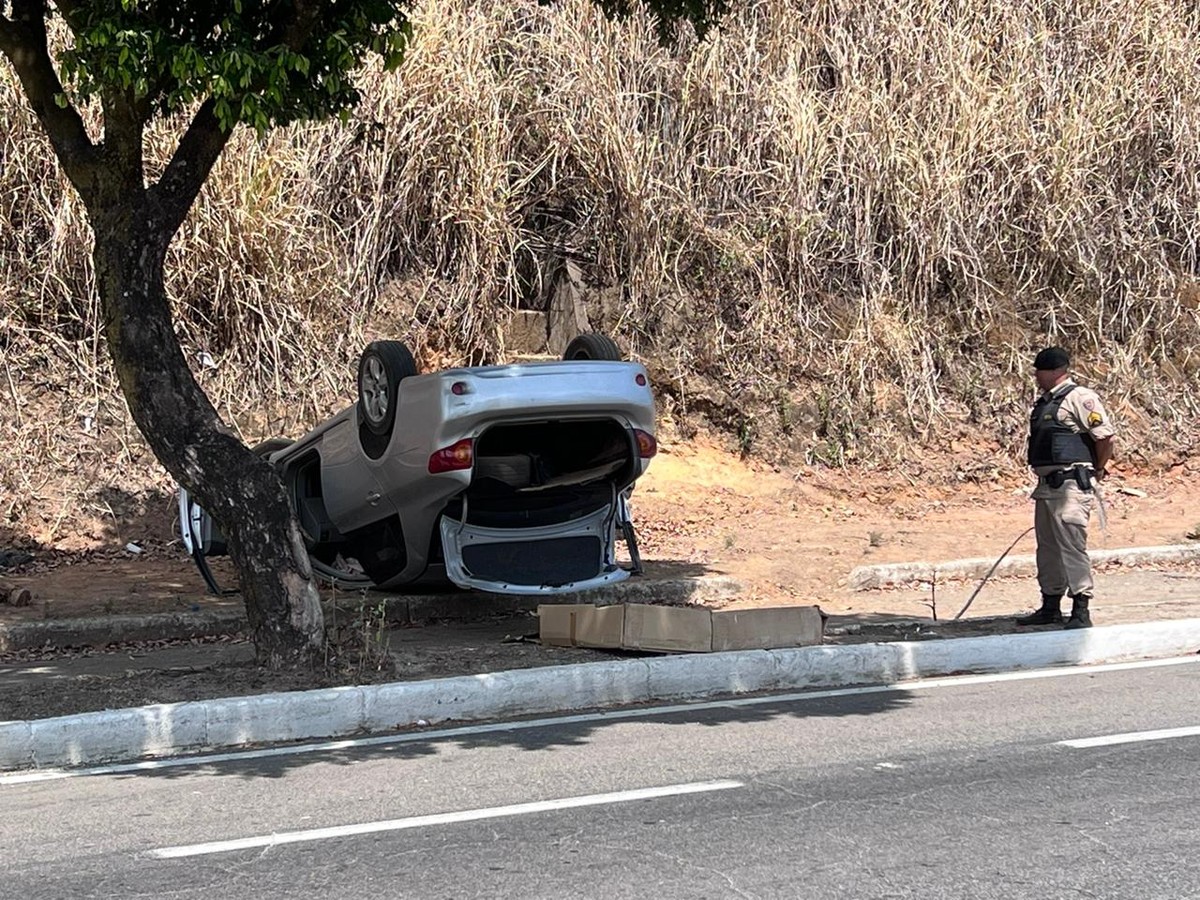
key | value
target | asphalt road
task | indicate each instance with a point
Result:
(951, 789)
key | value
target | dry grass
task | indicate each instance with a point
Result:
(835, 231)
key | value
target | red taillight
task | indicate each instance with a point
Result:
(457, 456)
(640, 379)
(647, 445)
(459, 388)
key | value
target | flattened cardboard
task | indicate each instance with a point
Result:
(641, 626)
(678, 628)
(581, 625)
(772, 628)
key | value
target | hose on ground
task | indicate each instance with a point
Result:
(979, 588)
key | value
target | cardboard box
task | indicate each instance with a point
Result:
(672, 629)
(581, 625)
(772, 628)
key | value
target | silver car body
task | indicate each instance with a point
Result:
(534, 504)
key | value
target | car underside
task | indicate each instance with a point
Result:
(513, 479)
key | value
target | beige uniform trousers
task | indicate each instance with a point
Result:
(1060, 523)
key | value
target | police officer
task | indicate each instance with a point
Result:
(1070, 443)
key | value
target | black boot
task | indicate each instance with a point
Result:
(1080, 617)
(1050, 612)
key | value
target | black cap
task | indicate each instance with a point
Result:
(1052, 358)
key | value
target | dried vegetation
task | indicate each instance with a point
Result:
(835, 231)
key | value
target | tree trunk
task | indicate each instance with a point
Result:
(241, 491)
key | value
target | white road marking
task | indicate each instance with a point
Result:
(615, 715)
(466, 815)
(1132, 737)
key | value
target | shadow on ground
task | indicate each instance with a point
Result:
(866, 627)
(109, 516)
(538, 735)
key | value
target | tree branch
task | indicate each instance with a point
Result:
(204, 140)
(297, 31)
(124, 132)
(69, 10)
(23, 41)
(189, 168)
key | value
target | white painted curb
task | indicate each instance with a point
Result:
(170, 729)
(866, 578)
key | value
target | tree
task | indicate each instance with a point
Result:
(259, 63)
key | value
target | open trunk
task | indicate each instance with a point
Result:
(540, 511)
(548, 472)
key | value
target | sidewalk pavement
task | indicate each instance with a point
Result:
(875, 636)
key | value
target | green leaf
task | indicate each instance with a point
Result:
(183, 51)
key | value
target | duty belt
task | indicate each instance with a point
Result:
(1081, 475)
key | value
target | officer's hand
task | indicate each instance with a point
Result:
(1100, 473)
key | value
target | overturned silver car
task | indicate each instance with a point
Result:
(514, 479)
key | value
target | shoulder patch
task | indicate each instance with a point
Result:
(1089, 404)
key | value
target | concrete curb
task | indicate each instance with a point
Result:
(400, 608)
(170, 729)
(97, 631)
(866, 578)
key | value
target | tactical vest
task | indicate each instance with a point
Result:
(1052, 443)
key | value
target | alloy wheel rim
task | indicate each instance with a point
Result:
(374, 390)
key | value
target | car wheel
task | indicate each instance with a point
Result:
(342, 579)
(381, 368)
(593, 346)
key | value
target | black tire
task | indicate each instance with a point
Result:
(593, 345)
(381, 368)
(336, 578)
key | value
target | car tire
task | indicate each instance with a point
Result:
(336, 578)
(593, 346)
(381, 368)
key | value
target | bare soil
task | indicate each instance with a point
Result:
(790, 535)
